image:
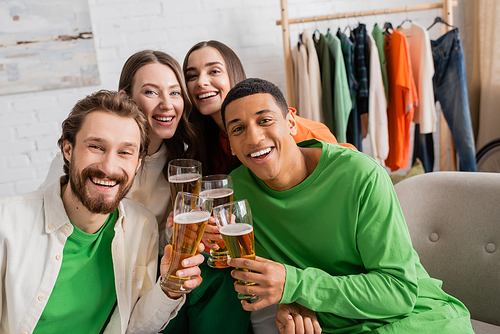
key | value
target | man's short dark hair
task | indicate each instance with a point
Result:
(252, 86)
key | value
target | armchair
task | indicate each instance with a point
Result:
(454, 223)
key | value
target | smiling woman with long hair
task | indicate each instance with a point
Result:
(155, 82)
(211, 69)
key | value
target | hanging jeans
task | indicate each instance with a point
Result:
(450, 89)
(423, 148)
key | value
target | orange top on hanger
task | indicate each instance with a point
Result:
(402, 99)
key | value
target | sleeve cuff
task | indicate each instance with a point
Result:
(170, 307)
(292, 276)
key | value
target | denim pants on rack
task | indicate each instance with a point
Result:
(423, 148)
(450, 89)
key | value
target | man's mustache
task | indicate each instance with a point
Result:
(90, 172)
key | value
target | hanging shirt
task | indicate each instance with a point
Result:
(402, 100)
(377, 108)
(378, 37)
(314, 77)
(358, 122)
(348, 52)
(301, 81)
(327, 69)
(342, 104)
(361, 67)
(423, 70)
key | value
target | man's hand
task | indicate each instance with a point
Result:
(211, 237)
(191, 269)
(269, 279)
(294, 318)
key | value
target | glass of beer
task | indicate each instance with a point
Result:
(236, 227)
(219, 188)
(191, 214)
(183, 175)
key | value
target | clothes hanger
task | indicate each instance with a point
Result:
(299, 43)
(314, 34)
(347, 26)
(339, 31)
(316, 30)
(438, 19)
(405, 20)
(375, 17)
(387, 26)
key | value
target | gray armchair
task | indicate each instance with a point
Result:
(454, 223)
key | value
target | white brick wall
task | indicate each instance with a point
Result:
(30, 122)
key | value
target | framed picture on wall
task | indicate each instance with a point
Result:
(46, 45)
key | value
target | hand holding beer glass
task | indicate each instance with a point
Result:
(183, 175)
(191, 214)
(219, 188)
(236, 227)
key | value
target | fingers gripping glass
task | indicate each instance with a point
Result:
(183, 175)
(191, 214)
(220, 189)
(236, 227)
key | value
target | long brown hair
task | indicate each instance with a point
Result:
(182, 143)
(212, 154)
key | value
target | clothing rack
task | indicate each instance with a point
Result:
(447, 15)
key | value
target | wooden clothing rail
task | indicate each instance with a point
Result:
(447, 15)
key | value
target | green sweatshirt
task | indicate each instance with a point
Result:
(347, 251)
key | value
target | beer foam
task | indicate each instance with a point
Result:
(236, 229)
(193, 217)
(216, 193)
(181, 178)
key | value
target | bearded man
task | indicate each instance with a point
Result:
(76, 257)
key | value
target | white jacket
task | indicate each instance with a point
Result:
(33, 231)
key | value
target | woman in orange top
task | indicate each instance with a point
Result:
(212, 69)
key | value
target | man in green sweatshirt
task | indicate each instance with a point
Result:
(330, 235)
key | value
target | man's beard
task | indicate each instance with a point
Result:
(98, 204)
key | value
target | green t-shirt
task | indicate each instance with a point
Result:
(84, 294)
(346, 248)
